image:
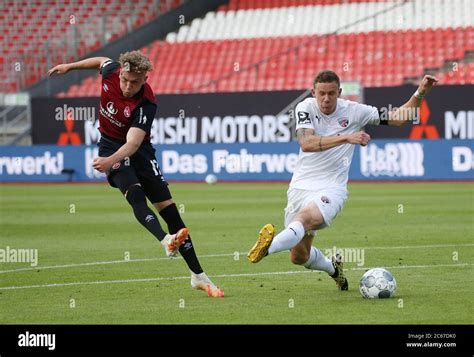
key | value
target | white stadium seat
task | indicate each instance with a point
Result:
(344, 18)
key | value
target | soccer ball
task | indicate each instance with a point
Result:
(211, 179)
(377, 283)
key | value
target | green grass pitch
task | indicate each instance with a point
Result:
(423, 233)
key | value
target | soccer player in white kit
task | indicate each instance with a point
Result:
(327, 128)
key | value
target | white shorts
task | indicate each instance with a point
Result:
(329, 201)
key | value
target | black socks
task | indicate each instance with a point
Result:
(172, 218)
(136, 197)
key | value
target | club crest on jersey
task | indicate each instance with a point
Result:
(111, 109)
(116, 166)
(344, 122)
(303, 118)
(126, 111)
(325, 199)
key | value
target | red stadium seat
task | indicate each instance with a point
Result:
(381, 58)
(26, 26)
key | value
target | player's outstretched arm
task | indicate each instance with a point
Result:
(405, 113)
(310, 142)
(135, 138)
(88, 63)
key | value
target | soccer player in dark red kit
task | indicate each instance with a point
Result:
(127, 110)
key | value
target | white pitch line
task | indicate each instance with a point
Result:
(223, 276)
(109, 262)
(74, 265)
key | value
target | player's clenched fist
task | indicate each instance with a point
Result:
(361, 138)
(426, 84)
(101, 164)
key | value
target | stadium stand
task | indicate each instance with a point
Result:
(279, 45)
(247, 45)
(235, 5)
(462, 73)
(35, 34)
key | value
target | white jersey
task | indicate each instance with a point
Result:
(329, 168)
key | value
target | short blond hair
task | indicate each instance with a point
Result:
(135, 61)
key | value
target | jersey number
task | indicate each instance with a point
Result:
(155, 167)
(142, 120)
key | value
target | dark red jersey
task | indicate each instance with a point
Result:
(118, 113)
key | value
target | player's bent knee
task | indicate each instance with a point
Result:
(163, 204)
(298, 258)
(135, 194)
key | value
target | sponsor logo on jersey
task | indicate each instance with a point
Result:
(303, 118)
(325, 199)
(126, 111)
(116, 166)
(344, 122)
(111, 109)
(109, 114)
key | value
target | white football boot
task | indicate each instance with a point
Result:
(202, 282)
(172, 242)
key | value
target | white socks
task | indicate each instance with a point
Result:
(287, 238)
(317, 261)
(290, 237)
(202, 278)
